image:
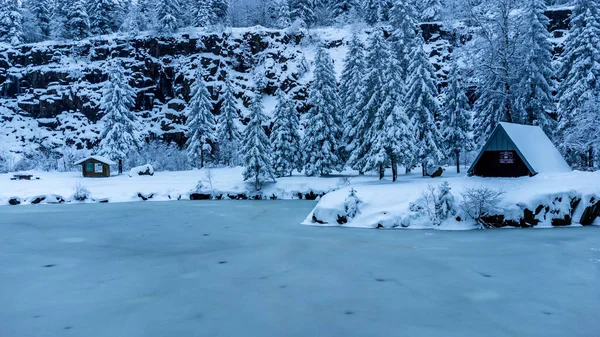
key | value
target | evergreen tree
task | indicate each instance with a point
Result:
(377, 11)
(343, 10)
(200, 123)
(79, 24)
(102, 16)
(59, 24)
(431, 10)
(579, 92)
(119, 135)
(498, 65)
(203, 15)
(402, 39)
(41, 10)
(168, 15)
(350, 89)
(11, 30)
(369, 102)
(228, 134)
(258, 168)
(303, 10)
(421, 100)
(131, 23)
(147, 15)
(534, 94)
(219, 9)
(282, 16)
(322, 134)
(285, 138)
(457, 118)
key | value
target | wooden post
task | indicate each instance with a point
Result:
(120, 166)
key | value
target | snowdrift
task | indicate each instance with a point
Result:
(545, 200)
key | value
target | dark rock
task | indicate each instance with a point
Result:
(437, 173)
(102, 201)
(342, 219)
(560, 222)
(257, 197)
(273, 197)
(590, 213)
(37, 200)
(314, 219)
(14, 201)
(200, 196)
(145, 197)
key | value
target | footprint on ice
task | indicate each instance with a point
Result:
(72, 240)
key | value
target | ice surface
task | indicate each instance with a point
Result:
(225, 268)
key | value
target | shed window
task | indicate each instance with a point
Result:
(89, 167)
(98, 168)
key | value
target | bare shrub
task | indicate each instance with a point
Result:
(482, 201)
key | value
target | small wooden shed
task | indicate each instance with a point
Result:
(515, 150)
(95, 166)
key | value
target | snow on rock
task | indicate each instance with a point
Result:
(144, 170)
(552, 199)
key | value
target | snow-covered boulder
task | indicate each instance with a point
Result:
(144, 170)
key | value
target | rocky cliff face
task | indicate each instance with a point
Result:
(49, 92)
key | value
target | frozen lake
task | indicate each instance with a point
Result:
(247, 268)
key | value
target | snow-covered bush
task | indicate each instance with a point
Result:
(143, 170)
(439, 203)
(162, 156)
(81, 192)
(352, 204)
(479, 202)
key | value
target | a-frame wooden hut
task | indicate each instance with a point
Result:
(515, 150)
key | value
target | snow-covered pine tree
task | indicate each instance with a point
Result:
(303, 10)
(41, 10)
(11, 30)
(403, 34)
(203, 16)
(228, 134)
(456, 114)
(285, 139)
(444, 203)
(430, 10)
(352, 204)
(102, 16)
(131, 23)
(168, 14)
(579, 92)
(369, 101)
(377, 11)
(79, 24)
(281, 13)
(423, 106)
(350, 85)
(200, 123)
(59, 25)
(119, 134)
(497, 64)
(321, 147)
(258, 168)
(219, 9)
(147, 15)
(389, 137)
(343, 10)
(534, 96)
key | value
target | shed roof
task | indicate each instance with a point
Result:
(98, 158)
(534, 147)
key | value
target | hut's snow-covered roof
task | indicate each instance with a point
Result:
(536, 148)
(98, 158)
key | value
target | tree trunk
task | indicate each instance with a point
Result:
(381, 171)
(120, 166)
(394, 169)
(591, 158)
(361, 173)
(457, 161)
(423, 169)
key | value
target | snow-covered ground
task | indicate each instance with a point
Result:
(231, 268)
(388, 204)
(166, 185)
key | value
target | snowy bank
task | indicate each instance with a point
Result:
(217, 183)
(544, 200)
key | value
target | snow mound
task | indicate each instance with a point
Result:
(144, 170)
(549, 199)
